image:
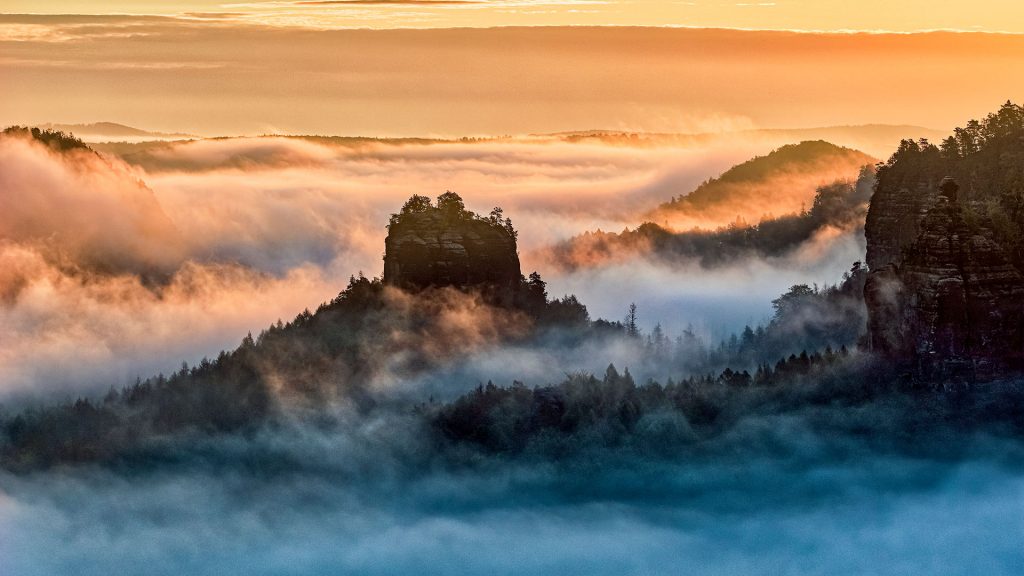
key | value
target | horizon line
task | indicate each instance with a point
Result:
(185, 136)
(260, 24)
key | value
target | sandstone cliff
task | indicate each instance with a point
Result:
(446, 245)
(942, 297)
(893, 221)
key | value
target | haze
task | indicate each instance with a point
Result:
(226, 77)
(821, 15)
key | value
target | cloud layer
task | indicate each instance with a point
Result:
(246, 231)
(780, 492)
(261, 228)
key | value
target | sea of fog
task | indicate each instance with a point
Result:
(254, 230)
(271, 226)
(772, 497)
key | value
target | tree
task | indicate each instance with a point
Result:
(416, 204)
(659, 341)
(747, 338)
(631, 326)
(950, 148)
(791, 300)
(611, 375)
(55, 139)
(537, 288)
(497, 216)
(511, 231)
(451, 205)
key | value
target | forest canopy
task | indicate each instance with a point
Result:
(986, 158)
(55, 139)
(451, 207)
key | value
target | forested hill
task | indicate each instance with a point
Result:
(334, 356)
(986, 159)
(780, 183)
(329, 357)
(55, 139)
(840, 205)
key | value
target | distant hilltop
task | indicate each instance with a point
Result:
(814, 133)
(106, 131)
(783, 181)
(874, 139)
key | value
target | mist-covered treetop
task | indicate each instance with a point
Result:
(994, 145)
(55, 139)
(788, 158)
(451, 208)
(986, 159)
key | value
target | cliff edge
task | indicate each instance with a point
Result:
(943, 298)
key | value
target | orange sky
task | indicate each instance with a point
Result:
(831, 15)
(228, 78)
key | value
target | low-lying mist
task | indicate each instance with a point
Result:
(666, 465)
(785, 490)
(255, 230)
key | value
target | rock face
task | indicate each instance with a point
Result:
(894, 222)
(942, 298)
(435, 248)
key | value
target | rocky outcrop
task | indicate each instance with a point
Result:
(942, 297)
(894, 221)
(435, 247)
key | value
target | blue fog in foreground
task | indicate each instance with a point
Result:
(787, 516)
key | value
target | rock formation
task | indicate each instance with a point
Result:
(942, 297)
(447, 245)
(894, 222)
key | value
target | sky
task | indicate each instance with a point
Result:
(818, 15)
(455, 68)
(229, 78)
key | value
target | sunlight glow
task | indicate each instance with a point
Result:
(802, 15)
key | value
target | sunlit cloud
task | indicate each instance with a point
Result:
(256, 229)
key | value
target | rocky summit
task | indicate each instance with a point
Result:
(447, 245)
(943, 298)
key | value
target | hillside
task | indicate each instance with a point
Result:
(334, 355)
(375, 333)
(112, 131)
(874, 139)
(780, 183)
(80, 209)
(838, 204)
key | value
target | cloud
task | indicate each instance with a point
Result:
(88, 210)
(371, 494)
(247, 231)
(282, 200)
(270, 226)
(595, 183)
(98, 285)
(74, 333)
(717, 301)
